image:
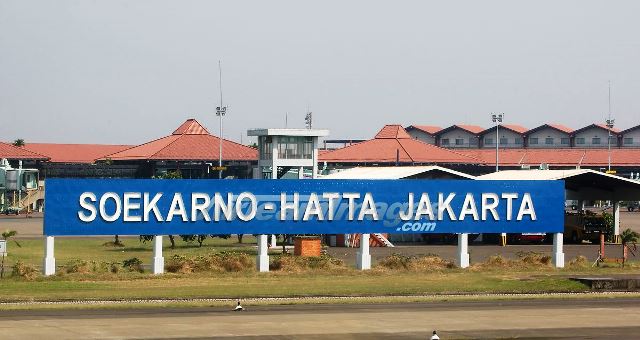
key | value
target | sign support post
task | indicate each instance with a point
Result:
(558, 254)
(463, 250)
(49, 265)
(263, 256)
(363, 258)
(158, 260)
(616, 221)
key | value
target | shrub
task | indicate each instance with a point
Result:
(534, 258)
(429, 262)
(579, 261)
(291, 263)
(133, 264)
(221, 262)
(180, 264)
(85, 267)
(25, 271)
(79, 266)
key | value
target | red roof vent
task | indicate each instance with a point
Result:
(393, 132)
(191, 127)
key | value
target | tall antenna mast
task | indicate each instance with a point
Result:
(220, 112)
(609, 99)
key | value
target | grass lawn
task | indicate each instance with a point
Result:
(244, 284)
(92, 248)
(171, 286)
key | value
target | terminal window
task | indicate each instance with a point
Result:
(548, 140)
(628, 140)
(533, 141)
(595, 140)
(580, 140)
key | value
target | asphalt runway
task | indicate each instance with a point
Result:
(534, 319)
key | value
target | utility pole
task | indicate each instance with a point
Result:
(220, 112)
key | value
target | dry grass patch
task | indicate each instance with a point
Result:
(220, 262)
(298, 264)
(426, 263)
(25, 271)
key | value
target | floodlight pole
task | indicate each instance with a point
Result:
(497, 119)
(610, 123)
(220, 112)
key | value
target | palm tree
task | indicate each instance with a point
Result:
(18, 142)
(6, 236)
(629, 241)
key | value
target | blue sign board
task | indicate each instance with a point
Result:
(189, 207)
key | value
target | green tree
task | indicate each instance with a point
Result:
(629, 242)
(6, 236)
(18, 142)
(167, 175)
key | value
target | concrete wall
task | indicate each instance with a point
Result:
(458, 134)
(422, 136)
(504, 133)
(635, 136)
(543, 134)
(592, 133)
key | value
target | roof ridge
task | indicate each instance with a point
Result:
(139, 145)
(166, 146)
(405, 151)
(452, 151)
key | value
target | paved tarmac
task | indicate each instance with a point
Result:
(567, 319)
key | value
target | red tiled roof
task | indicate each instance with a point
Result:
(473, 129)
(74, 153)
(190, 141)
(604, 126)
(9, 151)
(558, 127)
(191, 127)
(513, 127)
(384, 148)
(598, 126)
(630, 129)
(557, 157)
(392, 131)
(561, 127)
(430, 129)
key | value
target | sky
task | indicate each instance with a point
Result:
(127, 72)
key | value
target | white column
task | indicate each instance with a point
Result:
(262, 262)
(274, 157)
(314, 175)
(558, 254)
(363, 258)
(300, 172)
(49, 264)
(158, 260)
(616, 221)
(274, 240)
(463, 251)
